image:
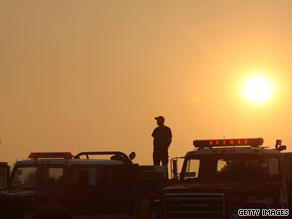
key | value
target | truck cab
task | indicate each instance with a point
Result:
(61, 186)
(222, 176)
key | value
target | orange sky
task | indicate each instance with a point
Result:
(94, 74)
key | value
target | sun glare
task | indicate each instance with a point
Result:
(257, 89)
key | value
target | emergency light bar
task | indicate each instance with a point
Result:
(51, 155)
(229, 142)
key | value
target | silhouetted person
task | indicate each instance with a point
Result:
(142, 208)
(162, 139)
(44, 179)
(242, 169)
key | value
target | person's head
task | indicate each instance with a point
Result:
(43, 175)
(160, 120)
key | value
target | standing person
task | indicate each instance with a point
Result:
(162, 139)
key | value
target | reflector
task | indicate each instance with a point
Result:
(51, 155)
(229, 142)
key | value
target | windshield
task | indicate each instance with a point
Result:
(240, 166)
(52, 176)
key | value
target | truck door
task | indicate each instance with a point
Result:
(115, 193)
(84, 199)
(276, 195)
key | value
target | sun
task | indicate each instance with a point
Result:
(257, 89)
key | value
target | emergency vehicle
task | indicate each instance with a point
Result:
(222, 176)
(61, 186)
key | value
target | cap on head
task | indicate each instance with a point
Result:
(160, 118)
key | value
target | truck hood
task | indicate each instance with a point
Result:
(32, 191)
(221, 185)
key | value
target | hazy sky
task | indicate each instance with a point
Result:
(92, 75)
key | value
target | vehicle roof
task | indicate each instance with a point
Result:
(70, 162)
(236, 150)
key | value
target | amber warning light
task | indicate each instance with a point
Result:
(51, 155)
(229, 142)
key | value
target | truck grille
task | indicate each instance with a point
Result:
(10, 208)
(194, 205)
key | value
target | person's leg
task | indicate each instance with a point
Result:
(156, 158)
(164, 158)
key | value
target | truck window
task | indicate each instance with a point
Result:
(192, 169)
(221, 165)
(58, 175)
(113, 178)
(273, 169)
(237, 166)
(85, 178)
(39, 175)
(24, 176)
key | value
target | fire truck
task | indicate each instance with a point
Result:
(63, 186)
(228, 179)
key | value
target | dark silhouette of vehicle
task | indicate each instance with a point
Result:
(61, 186)
(222, 176)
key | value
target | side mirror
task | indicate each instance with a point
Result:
(282, 147)
(174, 170)
(132, 155)
(278, 142)
(173, 166)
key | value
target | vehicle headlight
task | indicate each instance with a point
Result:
(28, 215)
(155, 213)
(233, 213)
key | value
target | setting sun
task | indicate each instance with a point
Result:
(257, 89)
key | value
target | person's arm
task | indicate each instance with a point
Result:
(154, 133)
(170, 137)
(169, 141)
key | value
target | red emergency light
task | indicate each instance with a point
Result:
(229, 142)
(51, 155)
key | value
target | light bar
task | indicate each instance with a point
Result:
(229, 142)
(51, 155)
